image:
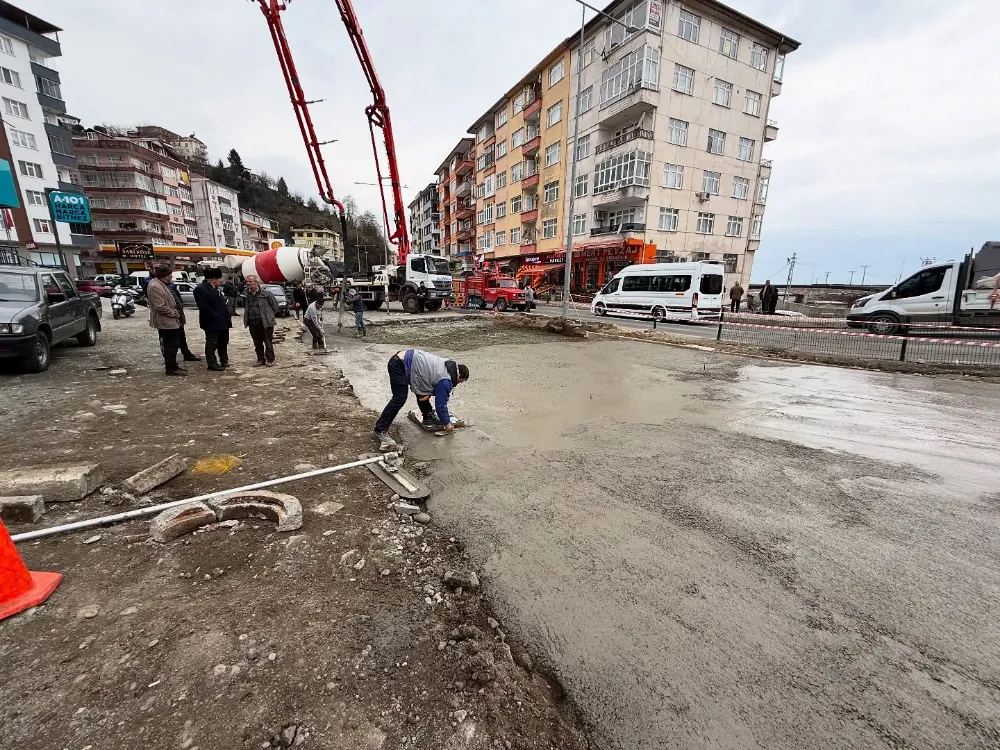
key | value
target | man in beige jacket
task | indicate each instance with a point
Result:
(165, 318)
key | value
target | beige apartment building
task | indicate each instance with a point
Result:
(457, 201)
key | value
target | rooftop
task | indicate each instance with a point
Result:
(27, 20)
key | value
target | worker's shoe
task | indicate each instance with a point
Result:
(430, 420)
(383, 439)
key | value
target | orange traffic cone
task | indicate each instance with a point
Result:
(19, 587)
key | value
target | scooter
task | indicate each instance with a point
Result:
(122, 302)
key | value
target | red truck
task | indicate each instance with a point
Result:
(487, 287)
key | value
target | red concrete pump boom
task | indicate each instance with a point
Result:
(377, 112)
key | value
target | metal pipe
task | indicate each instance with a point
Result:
(153, 509)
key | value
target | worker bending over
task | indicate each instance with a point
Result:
(426, 375)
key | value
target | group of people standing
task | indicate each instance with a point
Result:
(768, 299)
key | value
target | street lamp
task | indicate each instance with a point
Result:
(571, 188)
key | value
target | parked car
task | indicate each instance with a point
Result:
(186, 289)
(107, 279)
(40, 307)
(284, 307)
(91, 285)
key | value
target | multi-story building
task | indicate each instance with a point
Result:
(674, 118)
(188, 148)
(139, 192)
(38, 142)
(310, 235)
(455, 184)
(258, 231)
(425, 221)
(217, 210)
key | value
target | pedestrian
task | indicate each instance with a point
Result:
(314, 321)
(735, 297)
(232, 295)
(299, 299)
(529, 297)
(426, 375)
(751, 303)
(189, 356)
(214, 319)
(165, 318)
(769, 298)
(353, 299)
(259, 317)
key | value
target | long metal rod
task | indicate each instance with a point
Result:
(571, 154)
(153, 509)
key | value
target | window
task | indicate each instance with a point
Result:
(746, 150)
(548, 229)
(729, 44)
(716, 141)
(501, 209)
(515, 205)
(517, 139)
(488, 211)
(730, 260)
(621, 170)
(579, 223)
(673, 176)
(114, 160)
(741, 188)
(502, 148)
(711, 283)
(515, 172)
(762, 190)
(586, 99)
(758, 56)
(485, 132)
(710, 182)
(923, 282)
(6, 46)
(517, 105)
(60, 145)
(678, 132)
(683, 79)
(723, 95)
(11, 77)
(580, 188)
(756, 226)
(638, 69)
(688, 26)
(488, 188)
(551, 192)
(15, 108)
(36, 198)
(20, 138)
(501, 117)
(502, 179)
(501, 239)
(30, 169)
(48, 88)
(515, 236)
(706, 223)
(668, 219)
(556, 73)
(634, 16)
(583, 147)
(552, 154)
(553, 114)
(42, 225)
(589, 52)
(734, 226)
(124, 203)
(752, 104)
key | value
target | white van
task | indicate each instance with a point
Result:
(689, 291)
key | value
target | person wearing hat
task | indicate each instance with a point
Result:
(166, 318)
(214, 319)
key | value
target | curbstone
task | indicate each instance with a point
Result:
(60, 483)
(26, 508)
(184, 519)
(155, 475)
(285, 510)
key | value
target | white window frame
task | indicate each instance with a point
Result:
(516, 170)
(579, 224)
(706, 223)
(14, 108)
(501, 118)
(673, 176)
(553, 153)
(758, 56)
(36, 198)
(28, 169)
(515, 204)
(23, 139)
(42, 226)
(741, 188)
(678, 135)
(669, 219)
(556, 73)
(488, 187)
(716, 142)
(550, 193)
(589, 52)
(11, 77)
(762, 187)
(582, 185)
(550, 229)
(756, 226)
(6, 46)
(639, 68)
(621, 170)
(689, 26)
(586, 99)
(502, 148)
(501, 179)
(683, 79)
(515, 236)
(583, 147)
(752, 103)
(500, 238)
(711, 182)
(722, 93)
(501, 209)
(734, 226)
(517, 138)
(746, 149)
(729, 44)
(553, 115)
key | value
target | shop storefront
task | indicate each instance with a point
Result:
(594, 264)
(178, 257)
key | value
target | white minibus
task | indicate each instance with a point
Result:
(688, 291)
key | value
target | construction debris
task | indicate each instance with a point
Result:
(283, 509)
(24, 508)
(175, 522)
(155, 475)
(59, 483)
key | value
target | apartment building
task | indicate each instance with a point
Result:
(425, 221)
(217, 211)
(455, 184)
(310, 235)
(187, 148)
(38, 143)
(674, 118)
(138, 190)
(258, 231)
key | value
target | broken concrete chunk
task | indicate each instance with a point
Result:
(59, 483)
(24, 508)
(328, 508)
(405, 509)
(458, 579)
(284, 510)
(155, 475)
(183, 519)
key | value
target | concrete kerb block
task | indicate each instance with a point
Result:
(60, 483)
(284, 510)
(155, 475)
(183, 519)
(25, 508)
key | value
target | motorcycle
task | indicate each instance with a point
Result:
(122, 302)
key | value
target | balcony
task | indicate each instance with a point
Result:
(770, 131)
(530, 180)
(465, 234)
(532, 143)
(528, 245)
(464, 188)
(629, 108)
(633, 135)
(631, 226)
(533, 109)
(465, 166)
(631, 195)
(765, 167)
(529, 216)
(465, 210)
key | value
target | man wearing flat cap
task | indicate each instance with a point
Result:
(213, 317)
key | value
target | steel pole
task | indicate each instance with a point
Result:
(571, 153)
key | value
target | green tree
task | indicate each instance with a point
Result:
(312, 205)
(236, 165)
(282, 186)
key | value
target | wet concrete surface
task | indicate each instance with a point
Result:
(713, 551)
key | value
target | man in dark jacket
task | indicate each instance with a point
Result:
(259, 317)
(231, 294)
(352, 298)
(213, 317)
(299, 298)
(768, 298)
(735, 297)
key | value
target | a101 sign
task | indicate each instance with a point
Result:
(73, 208)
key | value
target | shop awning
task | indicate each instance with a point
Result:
(537, 270)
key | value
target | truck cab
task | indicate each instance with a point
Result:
(928, 296)
(424, 283)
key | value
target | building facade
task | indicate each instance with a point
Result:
(456, 198)
(425, 221)
(188, 148)
(217, 211)
(309, 235)
(258, 231)
(38, 143)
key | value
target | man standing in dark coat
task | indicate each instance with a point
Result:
(213, 317)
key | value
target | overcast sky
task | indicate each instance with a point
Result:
(889, 143)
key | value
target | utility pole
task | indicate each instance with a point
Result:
(788, 283)
(864, 272)
(827, 278)
(851, 282)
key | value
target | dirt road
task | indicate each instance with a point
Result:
(714, 551)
